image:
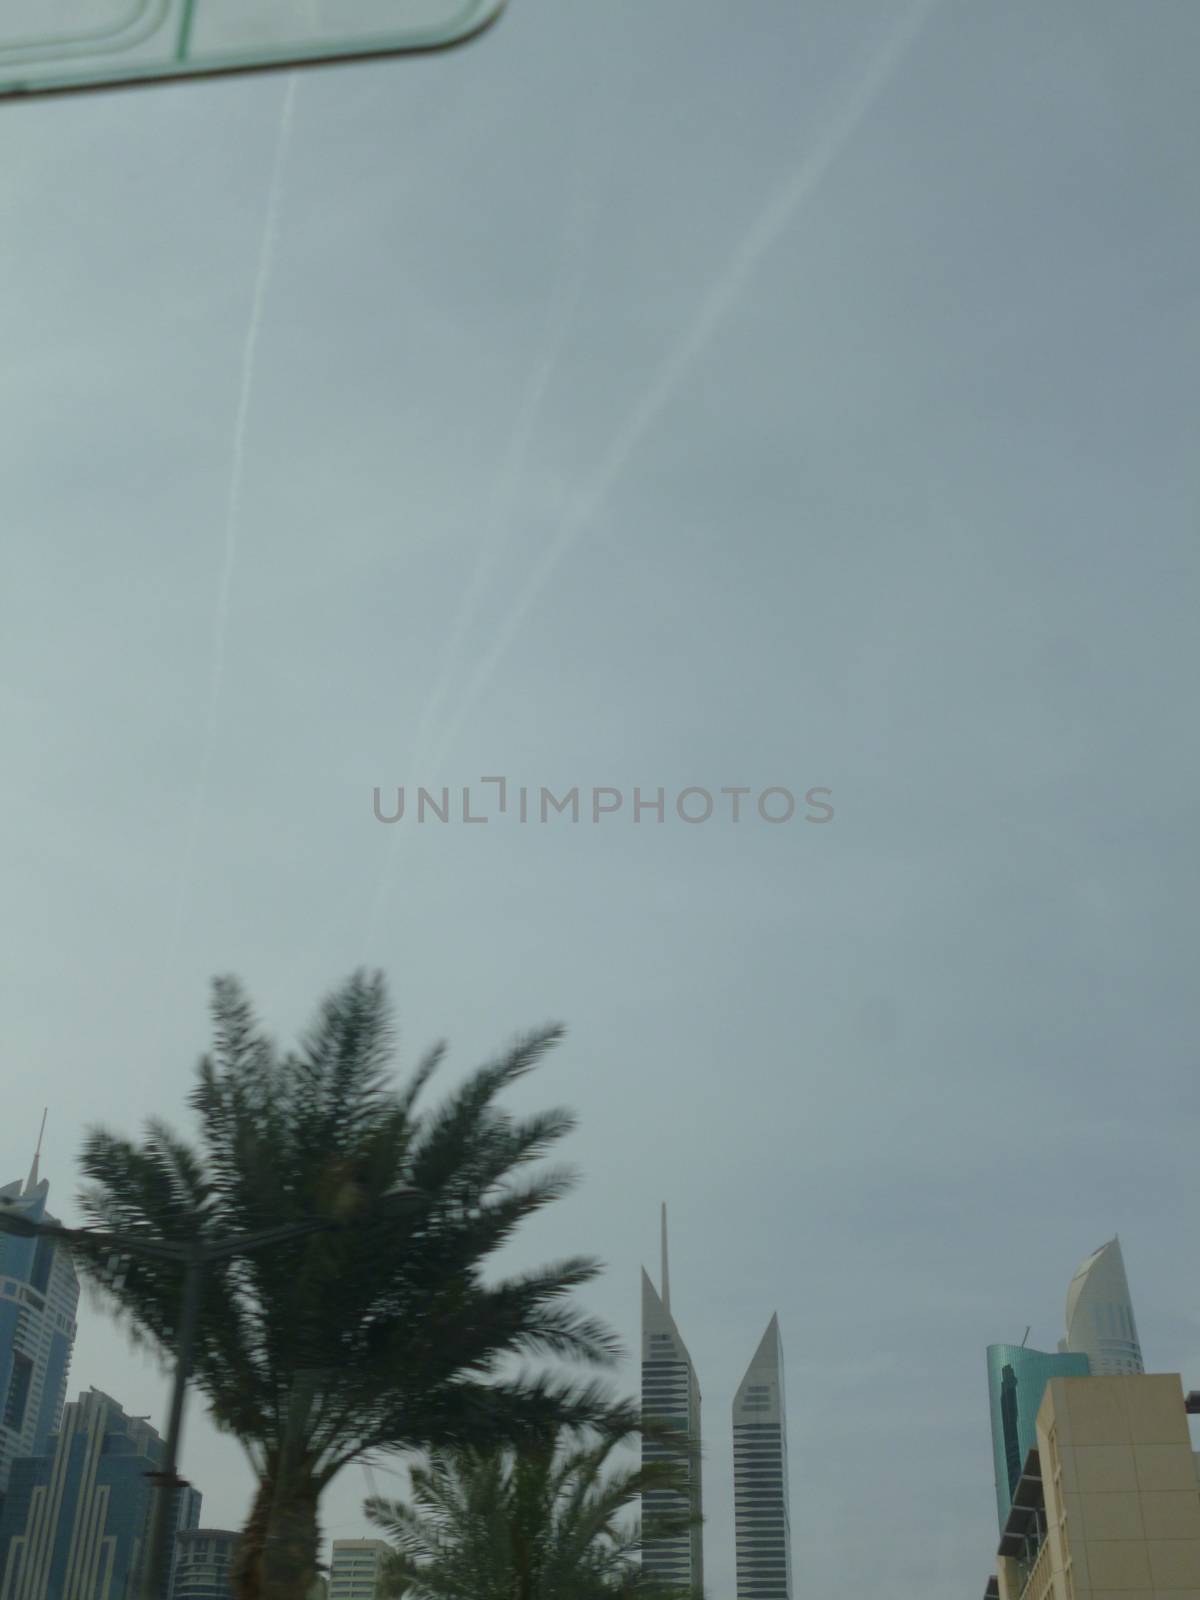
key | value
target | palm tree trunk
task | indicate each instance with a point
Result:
(245, 1572)
(289, 1565)
(277, 1554)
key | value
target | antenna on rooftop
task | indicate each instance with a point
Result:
(666, 1281)
(32, 1180)
(1026, 1336)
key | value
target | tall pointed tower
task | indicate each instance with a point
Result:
(1100, 1321)
(670, 1395)
(39, 1294)
(762, 1521)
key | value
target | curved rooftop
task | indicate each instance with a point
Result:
(1100, 1320)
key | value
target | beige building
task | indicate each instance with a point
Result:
(1108, 1504)
(354, 1570)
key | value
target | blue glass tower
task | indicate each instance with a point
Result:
(1017, 1379)
(39, 1295)
(75, 1519)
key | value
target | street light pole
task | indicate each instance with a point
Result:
(194, 1255)
(167, 1480)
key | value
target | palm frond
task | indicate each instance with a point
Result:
(381, 1333)
(544, 1521)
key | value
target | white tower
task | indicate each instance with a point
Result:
(670, 1395)
(762, 1521)
(1100, 1321)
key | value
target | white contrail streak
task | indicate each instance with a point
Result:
(725, 293)
(497, 530)
(727, 290)
(233, 505)
(498, 525)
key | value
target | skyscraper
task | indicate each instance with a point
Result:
(39, 1294)
(671, 1396)
(1017, 1379)
(74, 1522)
(1100, 1321)
(762, 1518)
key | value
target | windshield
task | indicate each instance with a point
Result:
(678, 520)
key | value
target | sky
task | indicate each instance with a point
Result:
(661, 396)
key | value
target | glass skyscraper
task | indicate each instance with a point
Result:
(1017, 1379)
(671, 1396)
(39, 1295)
(75, 1519)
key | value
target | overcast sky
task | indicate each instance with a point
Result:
(659, 394)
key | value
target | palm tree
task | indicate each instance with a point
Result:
(378, 1335)
(541, 1522)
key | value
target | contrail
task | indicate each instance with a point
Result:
(496, 532)
(497, 526)
(727, 290)
(262, 278)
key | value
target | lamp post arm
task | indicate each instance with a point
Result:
(249, 1243)
(126, 1243)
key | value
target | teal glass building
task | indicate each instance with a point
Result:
(1017, 1379)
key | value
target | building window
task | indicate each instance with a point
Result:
(18, 1392)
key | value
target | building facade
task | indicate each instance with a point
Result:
(1108, 1501)
(1017, 1379)
(202, 1560)
(39, 1295)
(670, 1397)
(1100, 1321)
(354, 1568)
(75, 1519)
(762, 1518)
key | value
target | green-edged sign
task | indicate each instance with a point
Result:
(56, 46)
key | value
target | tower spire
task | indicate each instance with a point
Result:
(666, 1276)
(32, 1181)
